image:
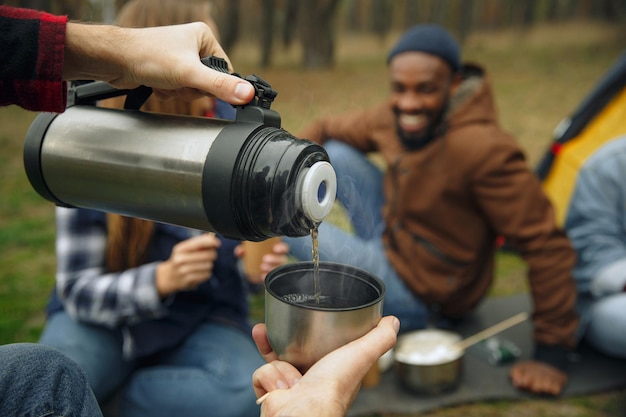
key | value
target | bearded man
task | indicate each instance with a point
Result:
(454, 181)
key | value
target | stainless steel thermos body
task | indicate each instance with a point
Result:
(245, 180)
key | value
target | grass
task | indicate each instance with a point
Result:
(26, 238)
(539, 76)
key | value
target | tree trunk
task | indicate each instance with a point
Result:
(229, 28)
(291, 21)
(317, 33)
(528, 12)
(572, 8)
(354, 15)
(552, 12)
(466, 16)
(610, 10)
(438, 11)
(411, 15)
(266, 33)
(380, 18)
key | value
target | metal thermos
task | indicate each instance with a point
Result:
(246, 179)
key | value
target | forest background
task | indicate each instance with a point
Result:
(328, 56)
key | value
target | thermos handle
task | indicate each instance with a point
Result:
(94, 91)
(215, 63)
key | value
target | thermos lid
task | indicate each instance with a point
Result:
(318, 190)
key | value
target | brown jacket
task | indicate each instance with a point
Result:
(447, 203)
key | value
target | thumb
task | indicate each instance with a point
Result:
(229, 88)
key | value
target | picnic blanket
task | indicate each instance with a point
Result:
(590, 371)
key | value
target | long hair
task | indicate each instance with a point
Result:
(150, 13)
(128, 238)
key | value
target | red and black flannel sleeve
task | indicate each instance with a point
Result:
(32, 48)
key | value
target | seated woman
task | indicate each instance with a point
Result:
(596, 225)
(155, 314)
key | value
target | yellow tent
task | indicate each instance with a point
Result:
(600, 118)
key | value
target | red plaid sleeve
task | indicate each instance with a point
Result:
(32, 49)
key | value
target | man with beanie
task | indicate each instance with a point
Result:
(454, 182)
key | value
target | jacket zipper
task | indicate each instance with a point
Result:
(398, 224)
(394, 178)
(436, 252)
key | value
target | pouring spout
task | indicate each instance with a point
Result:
(318, 190)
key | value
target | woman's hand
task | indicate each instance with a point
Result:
(269, 261)
(189, 265)
(278, 257)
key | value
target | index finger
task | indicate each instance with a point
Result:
(203, 241)
(274, 375)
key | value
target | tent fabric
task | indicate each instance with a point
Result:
(600, 118)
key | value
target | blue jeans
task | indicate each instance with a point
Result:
(210, 373)
(605, 320)
(37, 380)
(360, 191)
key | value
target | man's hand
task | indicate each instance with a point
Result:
(165, 58)
(328, 388)
(538, 378)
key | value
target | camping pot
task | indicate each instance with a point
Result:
(246, 179)
(302, 330)
(428, 362)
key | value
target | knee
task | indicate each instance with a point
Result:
(36, 359)
(34, 369)
(339, 151)
(607, 330)
(610, 311)
(350, 162)
(55, 362)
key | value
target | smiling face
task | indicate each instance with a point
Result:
(421, 86)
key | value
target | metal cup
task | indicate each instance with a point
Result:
(300, 330)
(427, 361)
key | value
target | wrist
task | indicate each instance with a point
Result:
(555, 356)
(92, 52)
(162, 280)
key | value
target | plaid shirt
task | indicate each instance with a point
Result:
(91, 294)
(128, 300)
(32, 49)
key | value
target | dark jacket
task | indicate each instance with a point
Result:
(447, 202)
